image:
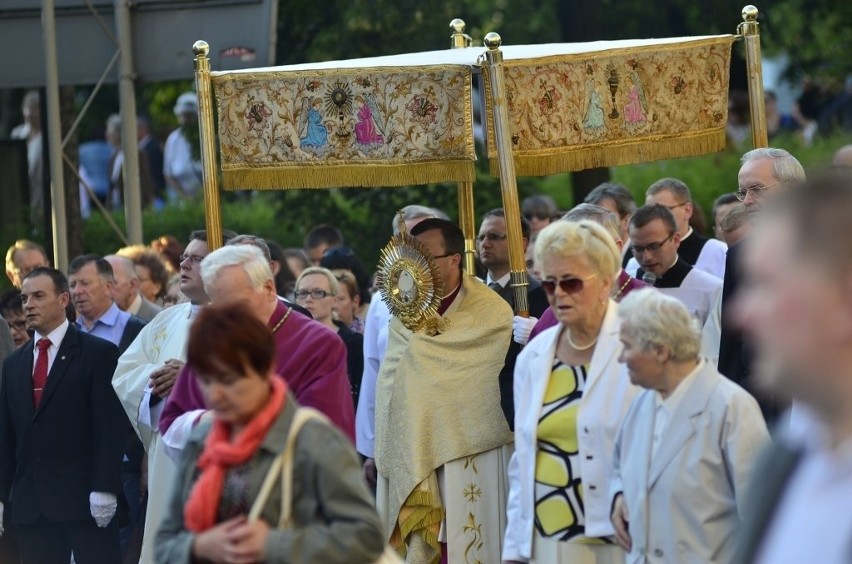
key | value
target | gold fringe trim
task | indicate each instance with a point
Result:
(569, 159)
(420, 516)
(326, 176)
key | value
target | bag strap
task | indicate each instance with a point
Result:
(282, 467)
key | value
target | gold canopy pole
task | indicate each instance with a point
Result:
(212, 205)
(508, 186)
(749, 29)
(467, 220)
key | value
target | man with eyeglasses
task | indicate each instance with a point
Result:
(442, 442)
(695, 249)
(12, 310)
(146, 374)
(22, 258)
(655, 238)
(764, 172)
(492, 243)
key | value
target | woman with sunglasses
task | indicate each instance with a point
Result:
(570, 397)
(317, 291)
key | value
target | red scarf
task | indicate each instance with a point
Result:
(220, 453)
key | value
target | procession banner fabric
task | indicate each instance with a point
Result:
(614, 106)
(325, 128)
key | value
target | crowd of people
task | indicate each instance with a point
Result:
(670, 398)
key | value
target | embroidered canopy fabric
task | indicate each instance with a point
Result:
(407, 119)
(622, 103)
(326, 128)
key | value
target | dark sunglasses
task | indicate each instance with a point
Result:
(567, 285)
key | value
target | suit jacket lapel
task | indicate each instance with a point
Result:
(606, 350)
(681, 426)
(22, 385)
(64, 356)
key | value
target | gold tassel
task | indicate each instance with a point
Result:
(568, 159)
(379, 175)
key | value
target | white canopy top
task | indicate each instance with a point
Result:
(470, 55)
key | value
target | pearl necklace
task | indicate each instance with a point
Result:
(578, 347)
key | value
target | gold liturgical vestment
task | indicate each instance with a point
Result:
(441, 437)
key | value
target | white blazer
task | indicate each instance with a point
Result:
(685, 504)
(606, 398)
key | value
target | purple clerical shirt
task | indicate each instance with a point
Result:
(625, 285)
(310, 357)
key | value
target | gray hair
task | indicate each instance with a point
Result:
(618, 193)
(123, 264)
(248, 257)
(413, 211)
(785, 167)
(607, 219)
(653, 318)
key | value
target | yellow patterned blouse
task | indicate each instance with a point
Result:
(559, 512)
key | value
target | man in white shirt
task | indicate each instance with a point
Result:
(794, 304)
(695, 249)
(655, 242)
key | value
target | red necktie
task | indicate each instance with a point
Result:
(40, 372)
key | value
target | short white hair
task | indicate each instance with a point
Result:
(785, 167)
(247, 257)
(124, 264)
(654, 318)
(584, 238)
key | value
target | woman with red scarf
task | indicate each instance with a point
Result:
(227, 459)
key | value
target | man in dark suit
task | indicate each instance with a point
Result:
(493, 246)
(793, 304)
(763, 175)
(61, 434)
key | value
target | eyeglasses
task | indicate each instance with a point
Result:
(674, 207)
(444, 256)
(315, 294)
(639, 249)
(755, 191)
(194, 259)
(339, 252)
(493, 237)
(20, 325)
(567, 285)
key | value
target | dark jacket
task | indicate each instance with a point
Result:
(53, 457)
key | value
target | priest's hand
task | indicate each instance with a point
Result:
(163, 379)
(370, 473)
(621, 522)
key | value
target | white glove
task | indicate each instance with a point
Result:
(1, 519)
(521, 328)
(102, 506)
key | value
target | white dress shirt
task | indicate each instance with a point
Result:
(812, 522)
(375, 344)
(55, 337)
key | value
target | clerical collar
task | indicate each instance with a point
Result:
(673, 277)
(688, 233)
(448, 300)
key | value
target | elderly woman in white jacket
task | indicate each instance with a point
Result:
(687, 444)
(570, 396)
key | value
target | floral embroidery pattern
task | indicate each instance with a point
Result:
(280, 120)
(569, 102)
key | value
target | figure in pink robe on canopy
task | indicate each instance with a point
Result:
(633, 111)
(365, 129)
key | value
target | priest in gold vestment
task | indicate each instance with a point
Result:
(442, 441)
